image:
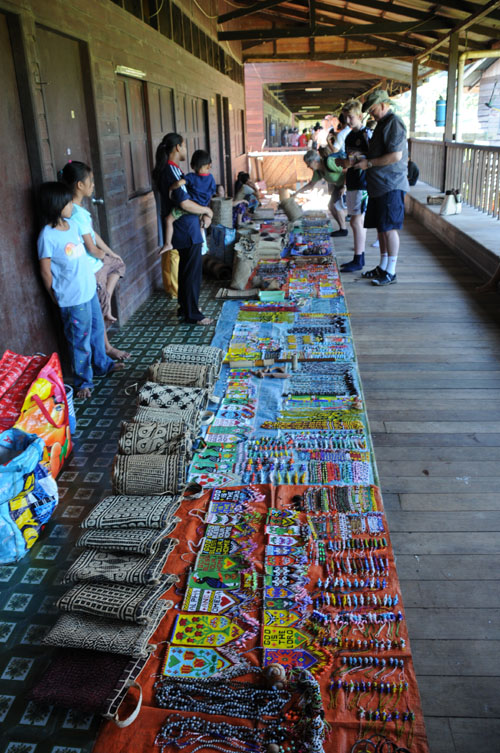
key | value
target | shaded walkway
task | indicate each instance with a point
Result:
(429, 358)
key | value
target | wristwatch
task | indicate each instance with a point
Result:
(369, 164)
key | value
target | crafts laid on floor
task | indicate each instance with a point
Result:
(288, 633)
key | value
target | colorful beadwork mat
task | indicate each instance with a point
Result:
(287, 556)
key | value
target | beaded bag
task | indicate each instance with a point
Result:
(101, 634)
(93, 682)
(123, 511)
(175, 398)
(97, 566)
(205, 354)
(186, 422)
(182, 374)
(152, 439)
(117, 601)
(149, 474)
(135, 540)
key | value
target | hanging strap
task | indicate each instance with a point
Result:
(121, 723)
(38, 401)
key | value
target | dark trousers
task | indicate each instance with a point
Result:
(190, 282)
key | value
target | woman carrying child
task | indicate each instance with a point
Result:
(70, 281)
(201, 187)
(187, 237)
(108, 267)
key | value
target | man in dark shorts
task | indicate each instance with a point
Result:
(386, 166)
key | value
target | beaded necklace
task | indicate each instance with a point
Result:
(237, 699)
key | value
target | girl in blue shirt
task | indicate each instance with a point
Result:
(108, 267)
(70, 281)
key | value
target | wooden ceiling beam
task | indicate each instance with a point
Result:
(388, 52)
(462, 26)
(263, 5)
(460, 6)
(340, 30)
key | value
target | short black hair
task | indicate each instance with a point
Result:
(200, 157)
(74, 172)
(53, 197)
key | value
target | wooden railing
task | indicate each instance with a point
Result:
(430, 158)
(473, 169)
(279, 168)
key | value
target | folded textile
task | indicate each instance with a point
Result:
(100, 634)
(98, 566)
(207, 354)
(152, 439)
(127, 511)
(137, 540)
(171, 396)
(117, 601)
(182, 374)
(93, 682)
(149, 474)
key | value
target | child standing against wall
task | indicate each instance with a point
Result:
(108, 267)
(70, 281)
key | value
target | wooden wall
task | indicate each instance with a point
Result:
(109, 37)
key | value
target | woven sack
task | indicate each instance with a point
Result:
(292, 210)
(94, 566)
(182, 374)
(151, 439)
(149, 474)
(223, 212)
(177, 399)
(122, 511)
(178, 424)
(93, 682)
(117, 602)
(207, 354)
(101, 634)
(242, 269)
(134, 540)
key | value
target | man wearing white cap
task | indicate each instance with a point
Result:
(386, 166)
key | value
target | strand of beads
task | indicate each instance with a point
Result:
(240, 700)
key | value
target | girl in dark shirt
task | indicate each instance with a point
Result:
(187, 237)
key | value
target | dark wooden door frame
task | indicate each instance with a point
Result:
(227, 146)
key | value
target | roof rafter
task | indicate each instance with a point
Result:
(340, 30)
(248, 10)
(463, 25)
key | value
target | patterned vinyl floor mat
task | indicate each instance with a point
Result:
(29, 588)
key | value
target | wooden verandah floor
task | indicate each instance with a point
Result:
(429, 356)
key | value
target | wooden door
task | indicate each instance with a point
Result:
(161, 114)
(29, 322)
(67, 95)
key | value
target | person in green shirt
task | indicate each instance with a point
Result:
(325, 168)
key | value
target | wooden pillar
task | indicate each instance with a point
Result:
(450, 92)
(413, 103)
(254, 109)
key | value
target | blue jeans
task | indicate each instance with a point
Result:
(84, 330)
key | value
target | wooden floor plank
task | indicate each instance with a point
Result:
(456, 624)
(477, 735)
(429, 358)
(459, 696)
(460, 521)
(458, 657)
(476, 594)
(448, 502)
(447, 566)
